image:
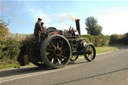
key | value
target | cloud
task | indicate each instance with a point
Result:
(3, 6)
(36, 13)
(8, 13)
(63, 17)
(62, 27)
(114, 22)
(3, 3)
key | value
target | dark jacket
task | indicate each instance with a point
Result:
(37, 29)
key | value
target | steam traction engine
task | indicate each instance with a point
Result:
(56, 49)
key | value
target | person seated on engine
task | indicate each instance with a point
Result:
(43, 32)
(42, 27)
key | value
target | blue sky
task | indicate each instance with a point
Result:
(112, 15)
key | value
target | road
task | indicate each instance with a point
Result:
(107, 69)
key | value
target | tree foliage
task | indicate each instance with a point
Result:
(124, 40)
(4, 31)
(119, 39)
(9, 47)
(92, 27)
(115, 39)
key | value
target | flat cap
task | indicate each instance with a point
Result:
(39, 19)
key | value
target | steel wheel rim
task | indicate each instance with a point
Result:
(90, 52)
(57, 51)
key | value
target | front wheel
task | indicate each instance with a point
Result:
(89, 52)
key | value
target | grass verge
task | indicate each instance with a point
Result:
(14, 65)
(105, 49)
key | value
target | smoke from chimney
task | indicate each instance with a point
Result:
(73, 18)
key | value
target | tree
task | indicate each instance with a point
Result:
(125, 39)
(9, 47)
(115, 39)
(92, 27)
(4, 31)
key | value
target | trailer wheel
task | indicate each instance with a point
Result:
(55, 51)
(89, 52)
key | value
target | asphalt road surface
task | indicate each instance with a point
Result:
(107, 69)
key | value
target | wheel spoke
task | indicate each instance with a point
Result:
(55, 60)
(57, 43)
(47, 53)
(51, 43)
(63, 57)
(60, 43)
(49, 46)
(59, 60)
(50, 56)
(91, 49)
(50, 50)
(65, 49)
(91, 55)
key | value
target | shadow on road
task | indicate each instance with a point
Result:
(92, 76)
(20, 71)
(33, 69)
(74, 63)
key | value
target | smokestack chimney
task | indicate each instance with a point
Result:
(77, 21)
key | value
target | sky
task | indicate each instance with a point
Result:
(112, 15)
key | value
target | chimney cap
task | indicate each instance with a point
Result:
(77, 19)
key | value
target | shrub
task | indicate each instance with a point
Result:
(9, 51)
(115, 39)
(124, 40)
(99, 40)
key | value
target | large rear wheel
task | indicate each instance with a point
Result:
(55, 51)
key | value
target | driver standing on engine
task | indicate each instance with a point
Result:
(37, 30)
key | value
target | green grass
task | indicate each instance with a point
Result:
(104, 49)
(15, 65)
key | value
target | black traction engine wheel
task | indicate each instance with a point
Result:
(55, 51)
(90, 52)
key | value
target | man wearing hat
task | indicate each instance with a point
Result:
(37, 29)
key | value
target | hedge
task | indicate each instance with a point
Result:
(99, 40)
(9, 50)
